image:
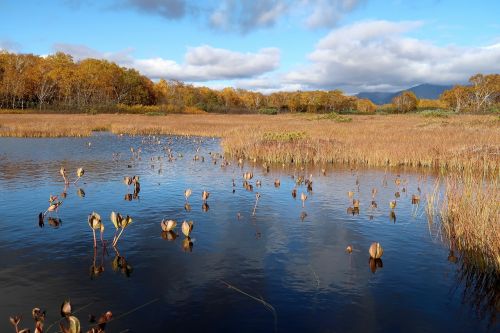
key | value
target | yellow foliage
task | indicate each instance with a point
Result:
(432, 104)
(365, 106)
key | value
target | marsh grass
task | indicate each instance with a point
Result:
(471, 217)
(467, 214)
(452, 144)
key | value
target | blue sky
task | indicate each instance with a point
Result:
(268, 45)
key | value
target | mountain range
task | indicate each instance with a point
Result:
(427, 91)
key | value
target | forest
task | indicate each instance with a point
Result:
(58, 82)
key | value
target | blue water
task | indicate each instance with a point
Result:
(290, 257)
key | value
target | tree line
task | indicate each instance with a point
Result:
(59, 82)
(481, 95)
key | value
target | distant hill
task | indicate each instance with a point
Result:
(427, 91)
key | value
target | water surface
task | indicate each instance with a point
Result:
(291, 257)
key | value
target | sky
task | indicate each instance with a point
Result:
(268, 45)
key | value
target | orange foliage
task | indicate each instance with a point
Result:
(365, 106)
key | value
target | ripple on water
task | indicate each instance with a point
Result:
(292, 257)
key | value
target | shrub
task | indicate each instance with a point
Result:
(365, 106)
(268, 111)
(405, 102)
(335, 117)
(284, 136)
(435, 113)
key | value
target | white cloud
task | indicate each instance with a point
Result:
(364, 56)
(326, 13)
(376, 54)
(202, 63)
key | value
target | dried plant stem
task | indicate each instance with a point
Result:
(260, 300)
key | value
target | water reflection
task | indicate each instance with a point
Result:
(481, 286)
(169, 235)
(80, 192)
(54, 222)
(187, 244)
(392, 216)
(120, 264)
(97, 268)
(297, 267)
(375, 264)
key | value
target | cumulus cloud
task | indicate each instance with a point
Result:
(240, 16)
(364, 56)
(375, 55)
(326, 13)
(266, 84)
(202, 63)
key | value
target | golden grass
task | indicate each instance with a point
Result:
(454, 143)
(471, 218)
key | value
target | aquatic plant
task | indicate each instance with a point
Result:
(204, 196)
(257, 197)
(187, 194)
(71, 324)
(120, 223)
(54, 204)
(187, 228)
(376, 251)
(79, 174)
(95, 222)
(303, 197)
(168, 225)
(392, 204)
(62, 171)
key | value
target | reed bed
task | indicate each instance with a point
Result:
(470, 217)
(454, 143)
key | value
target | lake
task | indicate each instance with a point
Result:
(265, 267)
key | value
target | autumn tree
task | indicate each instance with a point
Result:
(405, 102)
(457, 98)
(365, 106)
(485, 91)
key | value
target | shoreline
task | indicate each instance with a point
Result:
(455, 143)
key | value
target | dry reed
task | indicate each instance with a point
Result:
(470, 218)
(454, 143)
